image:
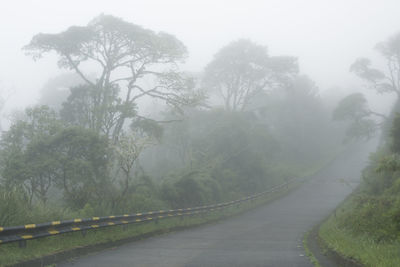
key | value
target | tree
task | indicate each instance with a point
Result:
(26, 155)
(395, 134)
(40, 152)
(5, 95)
(125, 56)
(144, 133)
(363, 121)
(243, 69)
(297, 117)
(384, 81)
(354, 107)
(56, 90)
(81, 159)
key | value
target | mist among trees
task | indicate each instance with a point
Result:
(125, 129)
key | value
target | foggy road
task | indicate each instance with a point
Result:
(270, 235)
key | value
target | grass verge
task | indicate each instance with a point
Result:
(309, 254)
(361, 249)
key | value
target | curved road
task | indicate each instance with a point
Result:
(267, 236)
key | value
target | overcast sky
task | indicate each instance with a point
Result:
(325, 35)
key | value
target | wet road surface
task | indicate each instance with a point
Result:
(270, 235)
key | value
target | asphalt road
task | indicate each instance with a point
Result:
(267, 236)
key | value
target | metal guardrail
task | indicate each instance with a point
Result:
(26, 232)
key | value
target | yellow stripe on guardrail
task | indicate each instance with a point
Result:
(145, 216)
(30, 226)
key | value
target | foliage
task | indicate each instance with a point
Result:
(125, 54)
(26, 158)
(56, 90)
(12, 205)
(242, 70)
(395, 134)
(352, 107)
(97, 154)
(361, 248)
(81, 158)
(376, 206)
(383, 81)
(362, 121)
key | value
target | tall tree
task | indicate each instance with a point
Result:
(125, 55)
(243, 69)
(387, 80)
(57, 89)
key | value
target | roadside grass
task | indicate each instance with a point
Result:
(309, 254)
(362, 248)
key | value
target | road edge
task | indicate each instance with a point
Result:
(321, 255)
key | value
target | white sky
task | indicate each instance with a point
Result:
(326, 35)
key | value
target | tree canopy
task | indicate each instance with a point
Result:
(383, 81)
(124, 54)
(363, 121)
(243, 69)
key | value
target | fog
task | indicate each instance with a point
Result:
(201, 110)
(326, 36)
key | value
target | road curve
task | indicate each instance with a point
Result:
(270, 235)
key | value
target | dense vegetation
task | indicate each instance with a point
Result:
(367, 225)
(248, 122)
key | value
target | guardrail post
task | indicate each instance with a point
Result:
(22, 243)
